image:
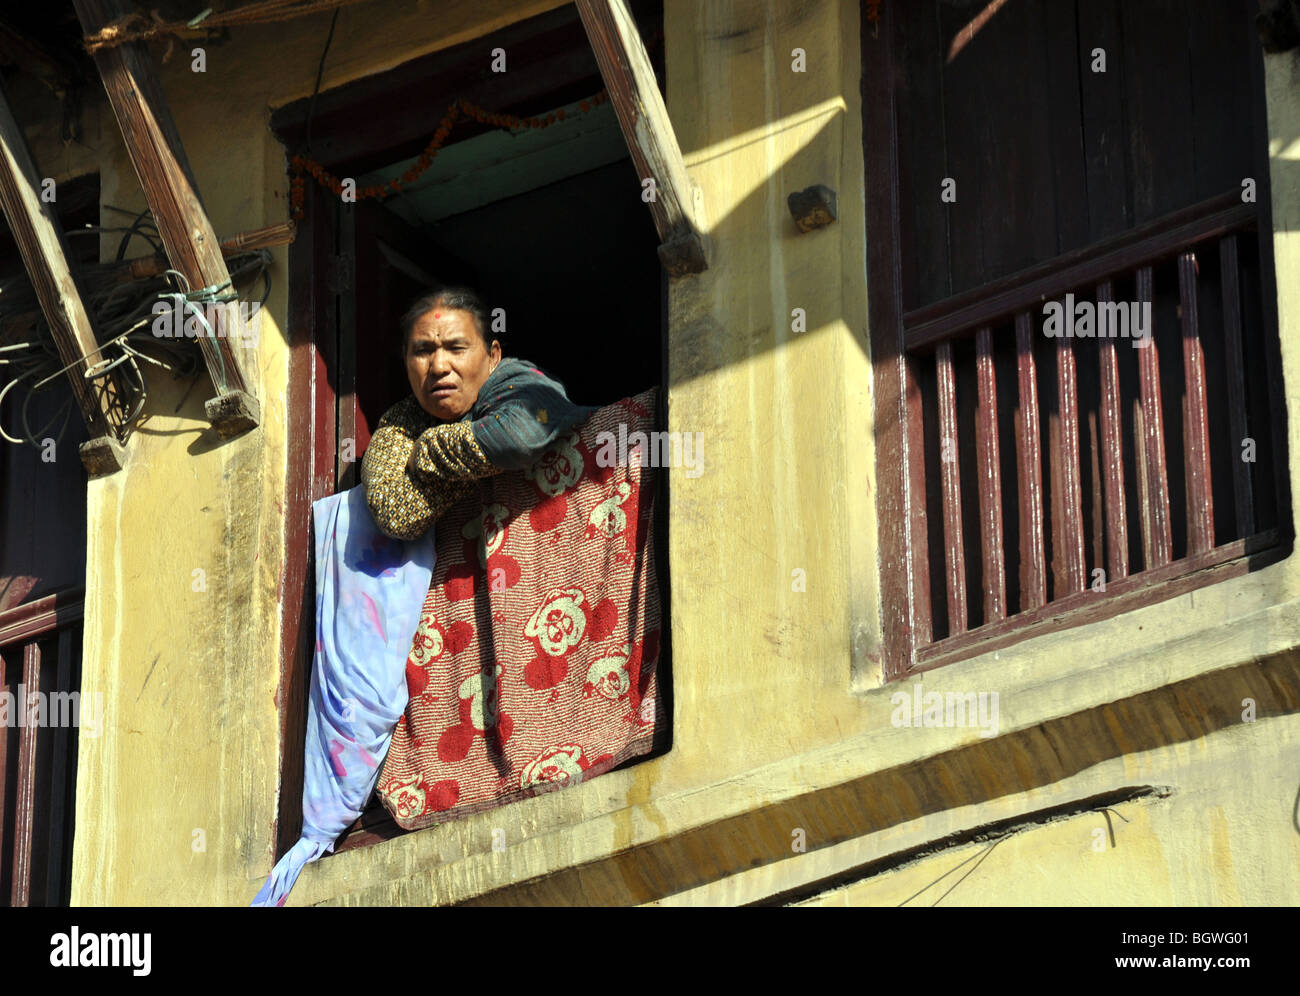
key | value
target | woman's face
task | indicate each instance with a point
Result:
(447, 362)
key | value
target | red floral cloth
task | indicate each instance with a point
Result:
(534, 666)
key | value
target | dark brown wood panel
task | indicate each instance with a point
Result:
(1157, 76)
(1218, 44)
(1057, 47)
(962, 82)
(922, 159)
(1004, 217)
(1103, 111)
(1062, 122)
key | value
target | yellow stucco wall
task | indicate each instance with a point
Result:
(1225, 835)
(766, 706)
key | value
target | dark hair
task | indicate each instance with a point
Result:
(451, 298)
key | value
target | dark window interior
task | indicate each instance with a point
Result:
(572, 264)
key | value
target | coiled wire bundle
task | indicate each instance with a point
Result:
(121, 299)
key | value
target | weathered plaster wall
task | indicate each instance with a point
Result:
(190, 677)
(1226, 835)
(765, 706)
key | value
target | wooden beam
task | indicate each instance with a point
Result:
(40, 241)
(168, 183)
(643, 118)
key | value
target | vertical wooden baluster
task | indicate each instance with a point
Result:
(25, 805)
(950, 479)
(990, 478)
(1112, 442)
(1242, 487)
(1157, 542)
(918, 541)
(1067, 497)
(1096, 496)
(1196, 421)
(1029, 470)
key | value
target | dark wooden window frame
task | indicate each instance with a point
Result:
(39, 806)
(904, 557)
(356, 128)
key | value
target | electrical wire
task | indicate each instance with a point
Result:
(125, 317)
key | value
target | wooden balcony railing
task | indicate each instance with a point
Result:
(40, 651)
(1112, 524)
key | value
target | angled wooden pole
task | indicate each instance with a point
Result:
(646, 128)
(40, 242)
(192, 247)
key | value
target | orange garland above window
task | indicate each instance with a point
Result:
(458, 108)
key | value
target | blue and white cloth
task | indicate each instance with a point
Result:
(370, 590)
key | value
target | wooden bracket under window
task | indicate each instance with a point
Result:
(643, 119)
(192, 247)
(40, 241)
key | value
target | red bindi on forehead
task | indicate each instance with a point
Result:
(437, 314)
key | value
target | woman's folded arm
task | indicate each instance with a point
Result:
(413, 474)
(413, 471)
